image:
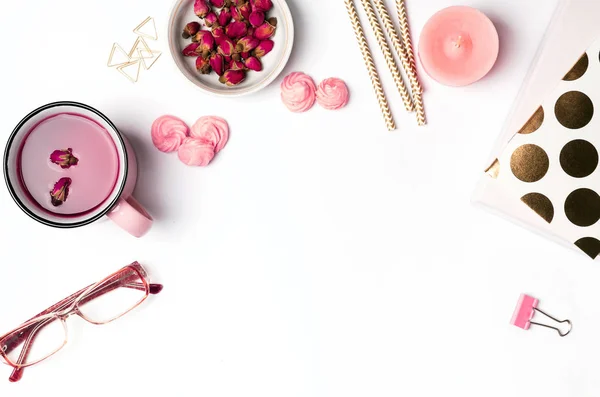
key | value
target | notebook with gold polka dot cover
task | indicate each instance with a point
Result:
(545, 173)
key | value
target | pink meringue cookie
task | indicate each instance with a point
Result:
(333, 94)
(168, 133)
(298, 92)
(212, 129)
(196, 152)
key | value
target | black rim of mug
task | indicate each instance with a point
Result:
(25, 208)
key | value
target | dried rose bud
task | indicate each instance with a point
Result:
(262, 5)
(217, 3)
(253, 63)
(232, 77)
(263, 48)
(203, 36)
(202, 65)
(237, 65)
(60, 192)
(250, 31)
(226, 47)
(236, 14)
(192, 50)
(236, 29)
(206, 41)
(245, 10)
(217, 63)
(64, 158)
(266, 30)
(218, 33)
(256, 18)
(201, 8)
(246, 44)
(211, 19)
(224, 17)
(190, 30)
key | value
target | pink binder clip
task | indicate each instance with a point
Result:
(525, 310)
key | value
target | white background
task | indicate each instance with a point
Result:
(318, 255)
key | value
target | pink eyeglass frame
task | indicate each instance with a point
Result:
(70, 306)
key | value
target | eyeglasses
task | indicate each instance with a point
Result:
(100, 303)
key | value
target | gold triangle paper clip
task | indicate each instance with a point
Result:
(131, 65)
(140, 50)
(139, 32)
(116, 50)
(148, 62)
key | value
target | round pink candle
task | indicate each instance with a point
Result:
(458, 46)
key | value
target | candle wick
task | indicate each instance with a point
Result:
(458, 42)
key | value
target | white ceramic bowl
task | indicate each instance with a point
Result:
(273, 63)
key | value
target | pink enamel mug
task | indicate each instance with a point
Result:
(66, 165)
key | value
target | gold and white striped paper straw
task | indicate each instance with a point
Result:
(387, 53)
(368, 58)
(411, 70)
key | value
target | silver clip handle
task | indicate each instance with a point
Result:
(556, 320)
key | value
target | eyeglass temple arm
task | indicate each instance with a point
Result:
(11, 344)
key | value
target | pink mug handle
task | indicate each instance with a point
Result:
(131, 216)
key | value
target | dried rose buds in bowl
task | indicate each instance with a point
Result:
(231, 48)
(235, 37)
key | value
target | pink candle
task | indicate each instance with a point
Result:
(458, 46)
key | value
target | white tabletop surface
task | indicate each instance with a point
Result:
(319, 254)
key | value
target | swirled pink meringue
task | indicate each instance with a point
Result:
(168, 133)
(298, 92)
(196, 152)
(212, 129)
(333, 94)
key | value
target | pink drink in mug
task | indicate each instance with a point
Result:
(66, 165)
(82, 151)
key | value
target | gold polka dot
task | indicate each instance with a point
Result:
(582, 207)
(579, 158)
(574, 110)
(589, 245)
(578, 69)
(534, 123)
(540, 204)
(529, 163)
